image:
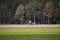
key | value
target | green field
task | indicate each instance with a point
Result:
(31, 37)
(29, 33)
(9, 31)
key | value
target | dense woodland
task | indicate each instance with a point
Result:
(8, 9)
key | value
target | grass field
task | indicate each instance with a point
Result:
(29, 33)
(9, 31)
(31, 37)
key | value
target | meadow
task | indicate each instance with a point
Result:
(29, 33)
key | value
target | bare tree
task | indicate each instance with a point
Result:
(48, 10)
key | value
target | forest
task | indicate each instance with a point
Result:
(8, 10)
